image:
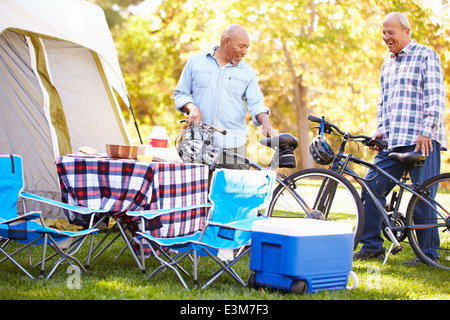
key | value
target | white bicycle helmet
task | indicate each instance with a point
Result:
(190, 151)
(196, 151)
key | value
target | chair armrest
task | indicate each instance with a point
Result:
(245, 225)
(151, 214)
(32, 215)
(77, 209)
(63, 233)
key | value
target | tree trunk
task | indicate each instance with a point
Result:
(304, 159)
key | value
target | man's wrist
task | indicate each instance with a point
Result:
(186, 108)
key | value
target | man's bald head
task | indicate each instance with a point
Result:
(234, 43)
(234, 30)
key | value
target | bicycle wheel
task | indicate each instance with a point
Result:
(429, 235)
(326, 194)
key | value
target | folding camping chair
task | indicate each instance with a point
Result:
(237, 197)
(29, 228)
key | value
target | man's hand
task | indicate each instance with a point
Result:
(266, 127)
(374, 146)
(424, 145)
(268, 131)
(194, 113)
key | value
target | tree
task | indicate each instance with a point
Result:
(116, 11)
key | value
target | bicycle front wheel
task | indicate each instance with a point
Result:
(429, 230)
(325, 193)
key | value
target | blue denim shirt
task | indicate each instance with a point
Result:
(223, 95)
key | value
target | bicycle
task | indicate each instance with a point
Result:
(396, 226)
(290, 198)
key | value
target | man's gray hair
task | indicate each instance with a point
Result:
(403, 20)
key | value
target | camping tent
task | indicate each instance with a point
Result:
(60, 82)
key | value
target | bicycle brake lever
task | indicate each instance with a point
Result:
(376, 142)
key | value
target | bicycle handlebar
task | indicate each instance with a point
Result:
(205, 127)
(366, 140)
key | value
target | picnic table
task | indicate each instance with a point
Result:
(121, 185)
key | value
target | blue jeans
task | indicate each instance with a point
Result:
(382, 186)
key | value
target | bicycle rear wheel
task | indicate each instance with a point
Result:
(326, 194)
(429, 235)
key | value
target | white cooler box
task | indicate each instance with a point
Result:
(301, 255)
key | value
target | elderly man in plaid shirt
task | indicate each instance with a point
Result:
(410, 118)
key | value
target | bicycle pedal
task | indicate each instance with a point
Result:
(396, 250)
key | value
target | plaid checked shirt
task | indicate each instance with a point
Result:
(412, 98)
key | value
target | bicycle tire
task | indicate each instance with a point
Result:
(345, 206)
(442, 182)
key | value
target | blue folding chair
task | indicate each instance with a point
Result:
(237, 196)
(29, 229)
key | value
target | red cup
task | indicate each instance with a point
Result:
(158, 143)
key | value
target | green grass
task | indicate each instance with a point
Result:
(120, 279)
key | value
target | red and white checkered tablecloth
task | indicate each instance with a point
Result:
(120, 185)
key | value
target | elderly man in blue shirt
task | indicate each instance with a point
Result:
(410, 118)
(216, 87)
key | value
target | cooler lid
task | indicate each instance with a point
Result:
(301, 227)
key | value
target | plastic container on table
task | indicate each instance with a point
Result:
(159, 137)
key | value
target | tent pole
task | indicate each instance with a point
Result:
(135, 122)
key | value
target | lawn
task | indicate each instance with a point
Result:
(120, 279)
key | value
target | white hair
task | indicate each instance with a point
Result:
(403, 20)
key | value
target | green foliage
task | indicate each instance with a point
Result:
(113, 8)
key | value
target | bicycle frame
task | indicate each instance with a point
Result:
(392, 222)
(341, 163)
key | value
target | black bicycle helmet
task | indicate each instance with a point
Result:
(321, 151)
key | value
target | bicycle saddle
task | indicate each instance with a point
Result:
(282, 141)
(408, 159)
